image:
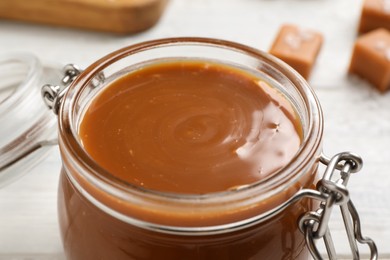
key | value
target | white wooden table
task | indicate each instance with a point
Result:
(357, 117)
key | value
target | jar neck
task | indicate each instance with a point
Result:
(155, 209)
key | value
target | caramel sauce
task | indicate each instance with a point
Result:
(191, 127)
(187, 127)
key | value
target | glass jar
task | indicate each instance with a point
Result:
(280, 217)
(103, 217)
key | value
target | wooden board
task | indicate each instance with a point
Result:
(118, 16)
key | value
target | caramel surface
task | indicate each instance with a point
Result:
(190, 127)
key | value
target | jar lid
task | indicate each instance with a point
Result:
(28, 127)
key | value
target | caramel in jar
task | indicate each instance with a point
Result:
(191, 127)
(191, 130)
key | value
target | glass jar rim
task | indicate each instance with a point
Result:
(68, 134)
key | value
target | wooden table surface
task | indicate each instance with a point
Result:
(357, 118)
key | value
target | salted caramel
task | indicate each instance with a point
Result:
(192, 127)
(371, 58)
(298, 47)
(375, 14)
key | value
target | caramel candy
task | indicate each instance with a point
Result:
(297, 47)
(375, 14)
(371, 58)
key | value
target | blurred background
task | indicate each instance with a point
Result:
(357, 117)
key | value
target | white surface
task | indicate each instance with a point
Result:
(357, 118)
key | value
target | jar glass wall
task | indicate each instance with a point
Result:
(107, 218)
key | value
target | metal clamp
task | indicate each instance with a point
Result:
(314, 224)
(53, 94)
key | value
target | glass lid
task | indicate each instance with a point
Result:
(27, 126)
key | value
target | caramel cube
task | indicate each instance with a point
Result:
(297, 47)
(371, 58)
(375, 14)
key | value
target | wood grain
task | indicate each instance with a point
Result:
(118, 16)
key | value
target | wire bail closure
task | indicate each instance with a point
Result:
(334, 192)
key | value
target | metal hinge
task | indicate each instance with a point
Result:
(53, 94)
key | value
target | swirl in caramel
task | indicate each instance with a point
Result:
(191, 127)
